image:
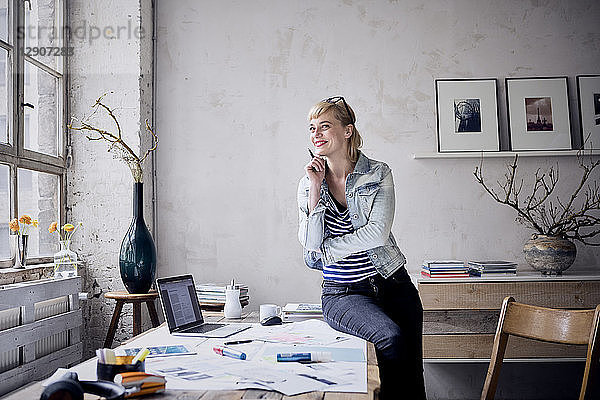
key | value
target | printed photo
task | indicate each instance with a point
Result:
(597, 108)
(538, 111)
(467, 116)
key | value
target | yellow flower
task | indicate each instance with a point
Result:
(35, 223)
(52, 227)
(68, 227)
(14, 225)
(25, 219)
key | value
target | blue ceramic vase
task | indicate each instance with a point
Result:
(137, 259)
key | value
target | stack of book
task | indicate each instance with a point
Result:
(444, 269)
(301, 311)
(141, 383)
(212, 296)
(492, 268)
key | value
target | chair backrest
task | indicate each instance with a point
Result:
(550, 325)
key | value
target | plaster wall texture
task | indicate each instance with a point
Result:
(235, 81)
(100, 187)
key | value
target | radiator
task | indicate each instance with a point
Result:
(44, 309)
(52, 343)
(9, 319)
(40, 329)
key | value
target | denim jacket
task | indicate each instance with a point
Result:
(371, 201)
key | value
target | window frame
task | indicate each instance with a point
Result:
(14, 153)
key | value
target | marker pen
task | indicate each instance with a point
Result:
(313, 356)
(224, 351)
(238, 342)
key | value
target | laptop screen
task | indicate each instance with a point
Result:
(180, 302)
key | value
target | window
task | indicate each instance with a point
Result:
(32, 120)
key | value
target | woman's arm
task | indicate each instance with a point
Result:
(311, 209)
(374, 233)
(310, 223)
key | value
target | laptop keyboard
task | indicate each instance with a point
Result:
(204, 328)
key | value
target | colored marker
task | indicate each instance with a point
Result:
(224, 351)
(141, 355)
(314, 356)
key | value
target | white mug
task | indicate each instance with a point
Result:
(269, 310)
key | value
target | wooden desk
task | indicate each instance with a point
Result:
(34, 390)
(461, 314)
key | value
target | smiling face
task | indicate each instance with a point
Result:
(329, 136)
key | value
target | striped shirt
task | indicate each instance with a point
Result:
(356, 266)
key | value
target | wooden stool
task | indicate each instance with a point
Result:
(123, 297)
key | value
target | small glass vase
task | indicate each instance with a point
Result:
(65, 261)
(18, 250)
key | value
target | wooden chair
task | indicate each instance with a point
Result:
(549, 325)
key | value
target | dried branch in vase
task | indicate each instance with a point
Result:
(547, 213)
(117, 145)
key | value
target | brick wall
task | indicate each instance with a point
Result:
(99, 187)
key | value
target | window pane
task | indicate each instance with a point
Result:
(4, 20)
(43, 32)
(4, 94)
(39, 198)
(4, 211)
(42, 123)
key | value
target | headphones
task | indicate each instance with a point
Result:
(69, 387)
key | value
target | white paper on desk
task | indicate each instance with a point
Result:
(194, 373)
(351, 376)
(289, 381)
(312, 332)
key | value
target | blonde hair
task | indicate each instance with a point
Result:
(341, 114)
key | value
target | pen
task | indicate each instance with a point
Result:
(224, 351)
(237, 342)
(312, 155)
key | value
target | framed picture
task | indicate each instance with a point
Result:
(588, 88)
(467, 115)
(538, 113)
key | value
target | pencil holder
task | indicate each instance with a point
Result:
(107, 372)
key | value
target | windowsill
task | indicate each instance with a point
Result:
(29, 273)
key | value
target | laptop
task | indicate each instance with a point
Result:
(182, 310)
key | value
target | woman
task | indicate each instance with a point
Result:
(346, 203)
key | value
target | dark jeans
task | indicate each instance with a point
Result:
(388, 313)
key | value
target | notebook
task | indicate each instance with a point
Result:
(182, 310)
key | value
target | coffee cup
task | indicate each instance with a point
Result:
(269, 310)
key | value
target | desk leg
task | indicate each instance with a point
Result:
(113, 325)
(153, 314)
(137, 318)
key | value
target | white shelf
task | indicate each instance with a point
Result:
(504, 154)
(520, 276)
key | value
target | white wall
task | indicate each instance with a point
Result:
(235, 80)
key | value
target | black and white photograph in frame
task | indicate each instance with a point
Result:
(467, 115)
(538, 113)
(588, 89)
